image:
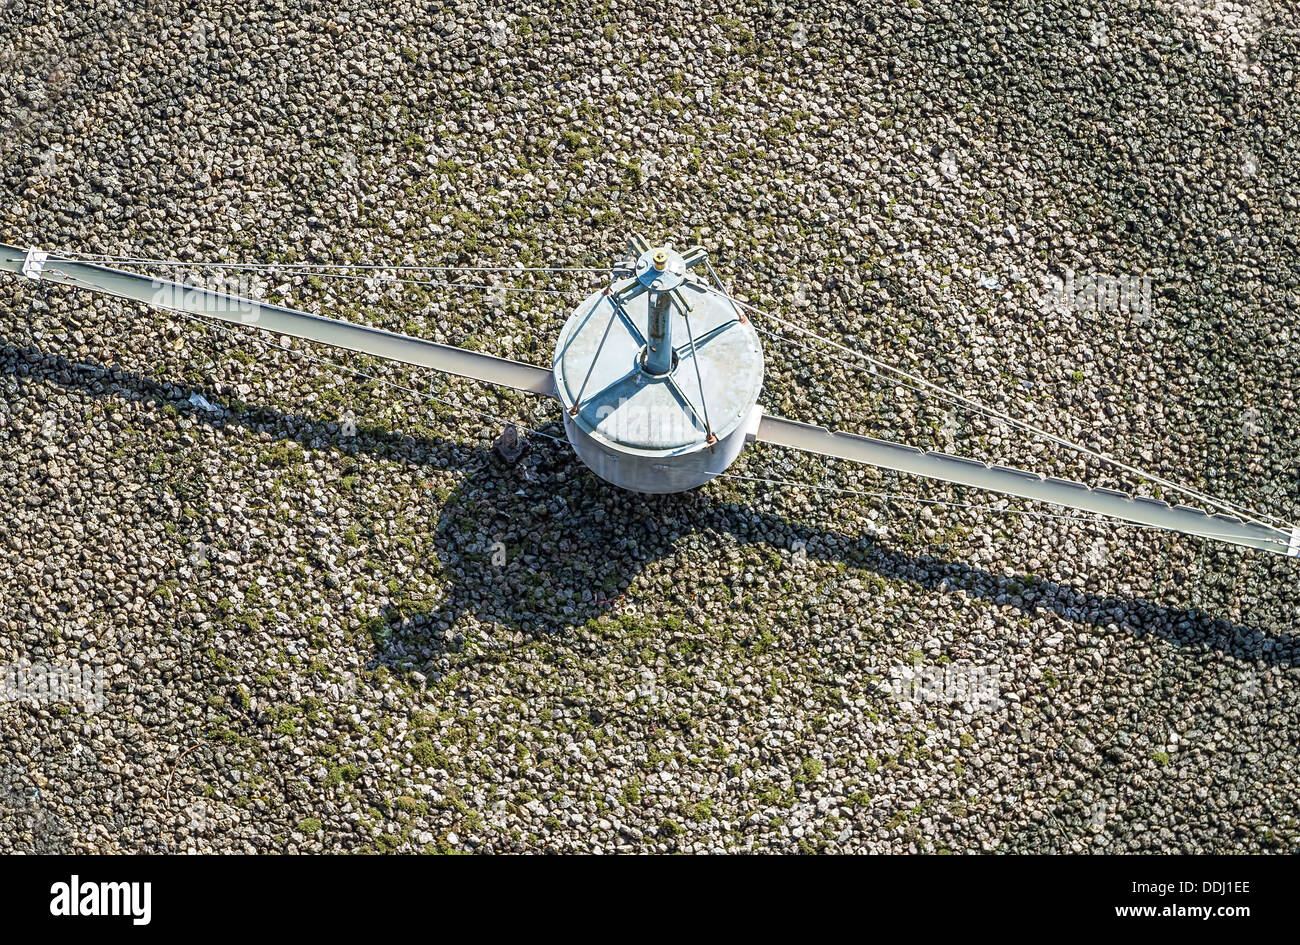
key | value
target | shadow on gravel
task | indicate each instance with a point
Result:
(545, 545)
(571, 549)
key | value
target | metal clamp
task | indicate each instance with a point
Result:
(34, 264)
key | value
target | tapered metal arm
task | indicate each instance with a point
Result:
(165, 294)
(1063, 492)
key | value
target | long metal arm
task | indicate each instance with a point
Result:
(165, 294)
(1063, 492)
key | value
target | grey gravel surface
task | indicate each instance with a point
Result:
(329, 616)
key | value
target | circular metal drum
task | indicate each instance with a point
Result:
(659, 377)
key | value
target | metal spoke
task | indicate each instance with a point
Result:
(614, 306)
(690, 336)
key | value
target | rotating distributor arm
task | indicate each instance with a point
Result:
(167, 295)
(1028, 485)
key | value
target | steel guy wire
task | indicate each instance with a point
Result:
(377, 276)
(207, 264)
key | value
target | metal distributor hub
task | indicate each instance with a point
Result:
(659, 375)
(661, 268)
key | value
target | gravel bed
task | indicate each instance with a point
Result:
(317, 613)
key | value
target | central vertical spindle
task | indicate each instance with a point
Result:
(659, 357)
